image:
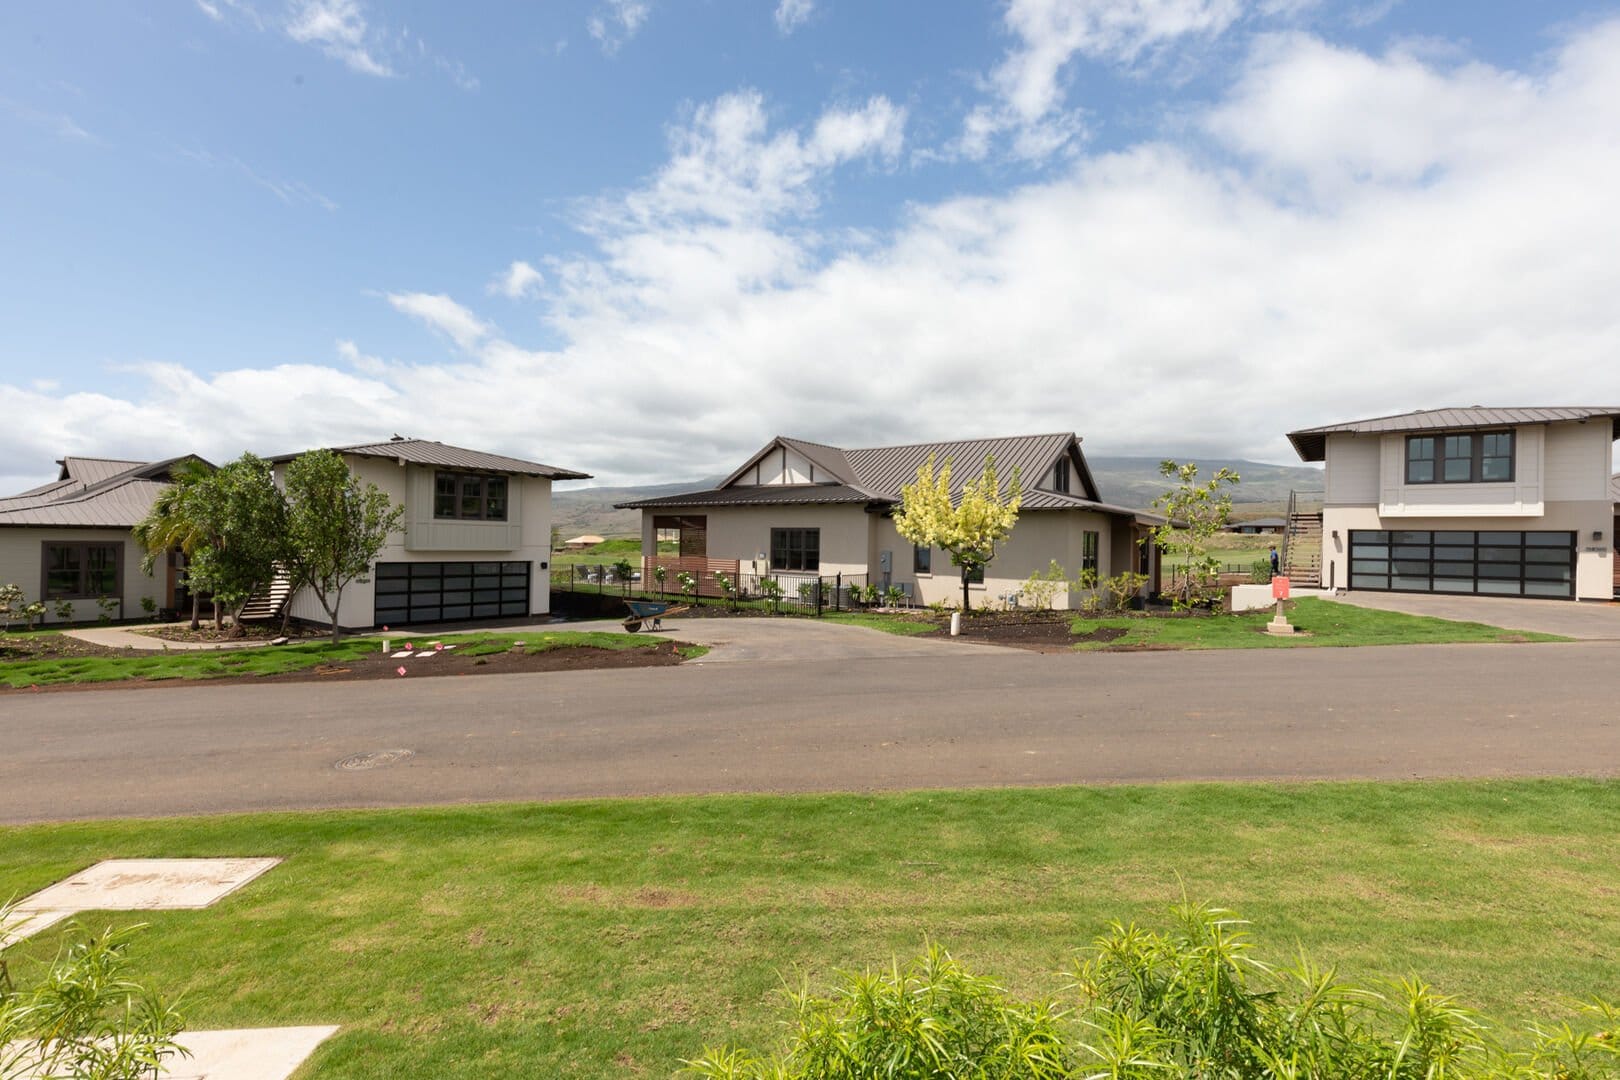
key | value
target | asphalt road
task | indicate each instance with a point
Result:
(940, 717)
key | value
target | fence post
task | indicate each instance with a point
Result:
(838, 592)
(818, 596)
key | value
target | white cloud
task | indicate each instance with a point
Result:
(518, 281)
(61, 125)
(1432, 234)
(792, 14)
(288, 191)
(444, 315)
(616, 22)
(210, 10)
(337, 28)
(1030, 98)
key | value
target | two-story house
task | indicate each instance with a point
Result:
(476, 541)
(798, 511)
(1490, 502)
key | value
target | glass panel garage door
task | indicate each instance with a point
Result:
(434, 592)
(1483, 563)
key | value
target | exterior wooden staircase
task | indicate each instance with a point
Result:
(1301, 554)
(270, 601)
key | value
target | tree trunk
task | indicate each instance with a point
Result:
(332, 612)
(965, 607)
(196, 613)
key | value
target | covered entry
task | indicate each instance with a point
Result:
(420, 592)
(1486, 563)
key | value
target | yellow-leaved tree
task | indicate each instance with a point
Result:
(968, 527)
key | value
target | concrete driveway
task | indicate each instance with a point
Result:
(1586, 620)
(785, 639)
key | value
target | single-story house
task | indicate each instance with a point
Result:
(476, 541)
(799, 511)
(1258, 526)
(580, 543)
(69, 540)
(1494, 502)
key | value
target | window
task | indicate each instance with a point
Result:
(975, 576)
(82, 571)
(795, 549)
(1475, 458)
(1089, 543)
(1060, 476)
(469, 497)
(922, 559)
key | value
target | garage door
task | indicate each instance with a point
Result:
(433, 592)
(1485, 563)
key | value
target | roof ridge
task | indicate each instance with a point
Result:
(983, 438)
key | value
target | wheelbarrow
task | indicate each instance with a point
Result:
(649, 614)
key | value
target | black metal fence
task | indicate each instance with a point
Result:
(786, 593)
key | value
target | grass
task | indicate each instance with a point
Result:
(1322, 622)
(278, 660)
(904, 625)
(611, 938)
(608, 552)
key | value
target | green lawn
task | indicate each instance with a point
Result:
(609, 939)
(276, 660)
(904, 625)
(1321, 622)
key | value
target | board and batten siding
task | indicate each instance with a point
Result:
(780, 466)
(1351, 472)
(1522, 497)
(1578, 462)
(525, 536)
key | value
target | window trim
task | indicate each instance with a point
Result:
(83, 547)
(1476, 456)
(1061, 473)
(922, 560)
(789, 550)
(463, 481)
(1091, 551)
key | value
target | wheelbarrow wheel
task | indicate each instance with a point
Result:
(633, 625)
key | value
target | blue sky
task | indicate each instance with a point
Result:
(639, 237)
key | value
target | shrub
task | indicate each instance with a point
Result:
(108, 606)
(688, 584)
(85, 1017)
(1122, 588)
(771, 590)
(622, 570)
(1260, 571)
(11, 605)
(64, 610)
(1189, 1003)
(1042, 585)
(727, 586)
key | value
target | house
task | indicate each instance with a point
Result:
(1259, 526)
(1494, 502)
(68, 541)
(799, 511)
(476, 541)
(580, 543)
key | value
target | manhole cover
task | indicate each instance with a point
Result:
(375, 759)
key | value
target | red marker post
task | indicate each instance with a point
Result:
(1279, 593)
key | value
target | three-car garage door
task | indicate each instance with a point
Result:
(434, 592)
(1447, 561)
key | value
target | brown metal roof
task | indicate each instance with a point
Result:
(1311, 443)
(115, 500)
(767, 495)
(875, 475)
(89, 470)
(426, 452)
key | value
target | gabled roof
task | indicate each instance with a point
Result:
(114, 499)
(1311, 443)
(426, 452)
(875, 475)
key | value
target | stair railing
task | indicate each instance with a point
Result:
(1288, 531)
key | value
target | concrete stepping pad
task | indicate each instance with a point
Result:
(244, 1054)
(133, 885)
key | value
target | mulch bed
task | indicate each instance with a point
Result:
(22, 647)
(250, 632)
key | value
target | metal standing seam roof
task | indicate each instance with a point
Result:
(89, 470)
(875, 475)
(121, 503)
(1311, 443)
(426, 452)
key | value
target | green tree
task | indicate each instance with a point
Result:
(335, 527)
(178, 520)
(248, 517)
(969, 527)
(1196, 512)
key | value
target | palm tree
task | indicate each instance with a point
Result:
(175, 521)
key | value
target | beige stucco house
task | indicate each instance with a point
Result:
(798, 511)
(69, 540)
(1494, 502)
(476, 542)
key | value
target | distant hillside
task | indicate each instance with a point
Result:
(1124, 481)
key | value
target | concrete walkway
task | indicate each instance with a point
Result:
(791, 639)
(1586, 620)
(130, 637)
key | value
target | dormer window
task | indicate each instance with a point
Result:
(1477, 457)
(1060, 475)
(469, 497)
